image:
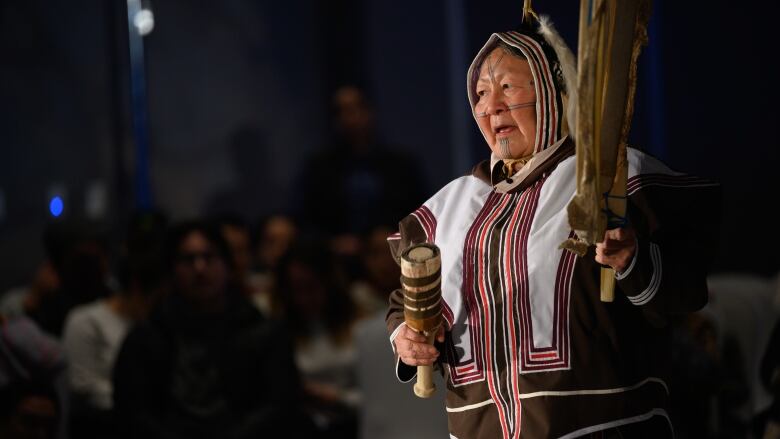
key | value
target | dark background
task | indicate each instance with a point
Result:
(706, 103)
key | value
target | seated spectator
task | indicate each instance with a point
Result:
(273, 238)
(380, 274)
(206, 363)
(743, 306)
(29, 410)
(25, 300)
(94, 333)
(32, 394)
(79, 255)
(239, 241)
(321, 316)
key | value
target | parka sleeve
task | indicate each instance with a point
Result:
(677, 224)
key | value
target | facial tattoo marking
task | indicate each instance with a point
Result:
(491, 67)
(516, 106)
(503, 144)
(492, 76)
(523, 105)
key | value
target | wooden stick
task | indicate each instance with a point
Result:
(424, 387)
(607, 284)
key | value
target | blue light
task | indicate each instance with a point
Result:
(56, 206)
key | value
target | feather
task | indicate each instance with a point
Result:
(568, 67)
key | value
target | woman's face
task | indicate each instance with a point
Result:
(506, 104)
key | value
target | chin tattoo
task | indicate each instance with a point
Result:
(503, 148)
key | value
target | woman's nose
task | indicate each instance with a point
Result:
(495, 103)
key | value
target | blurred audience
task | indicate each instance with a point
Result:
(29, 410)
(221, 331)
(321, 317)
(379, 275)
(33, 398)
(206, 363)
(78, 254)
(273, 238)
(767, 423)
(236, 233)
(25, 300)
(770, 377)
(716, 360)
(384, 399)
(709, 380)
(745, 308)
(94, 332)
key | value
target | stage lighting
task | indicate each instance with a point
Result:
(144, 21)
(56, 206)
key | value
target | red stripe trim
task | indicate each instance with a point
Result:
(465, 369)
(449, 317)
(510, 283)
(539, 90)
(484, 290)
(470, 301)
(522, 250)
(427, 221)
(545, 355)
(552, 101)
(550, 113)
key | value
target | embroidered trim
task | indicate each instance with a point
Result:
(597, 391)
(470, 406)
(655, 281)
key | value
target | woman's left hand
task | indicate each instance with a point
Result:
(617, 249)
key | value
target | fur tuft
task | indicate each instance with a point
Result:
(568, 67)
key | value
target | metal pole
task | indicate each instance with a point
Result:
(138, 25)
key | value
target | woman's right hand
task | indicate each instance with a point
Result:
(412, 348)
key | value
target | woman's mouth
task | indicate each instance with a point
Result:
(503, 129)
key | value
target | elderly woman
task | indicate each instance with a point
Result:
(527, 348)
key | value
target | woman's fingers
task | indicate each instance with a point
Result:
(413, 349)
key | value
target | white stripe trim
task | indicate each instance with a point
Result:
(424, 308)
(596, 391)
(394, 335)
(397, 358)
(470, 407)
(675, 185)
(398, 367)
(655, 280)
(627, 271)
(567, 393)
(618, 423)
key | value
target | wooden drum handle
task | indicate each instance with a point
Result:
(424, 387)
(607, 284)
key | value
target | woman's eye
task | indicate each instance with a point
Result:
(480, 93)
(505, 86)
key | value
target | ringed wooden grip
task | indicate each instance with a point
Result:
(421, 283)
(607, 284)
